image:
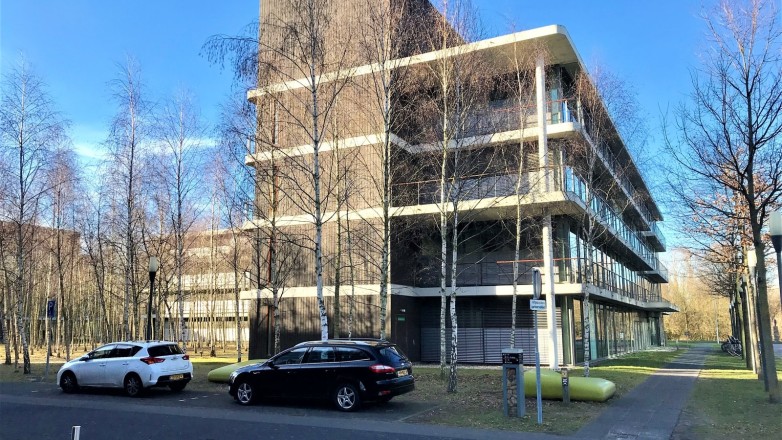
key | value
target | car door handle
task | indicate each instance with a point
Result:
(126, 363)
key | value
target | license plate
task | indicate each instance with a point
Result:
(401, 373)
(176, 377)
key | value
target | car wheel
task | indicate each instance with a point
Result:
(133, 386)
(245, 393)
(346, 397)
(179, 386)
(68, 382)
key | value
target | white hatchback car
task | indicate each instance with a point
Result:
(132, 366)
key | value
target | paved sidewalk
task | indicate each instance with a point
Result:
(651, 410)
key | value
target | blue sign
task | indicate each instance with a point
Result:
(51, 306)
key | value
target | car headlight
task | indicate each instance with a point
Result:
(232, 377)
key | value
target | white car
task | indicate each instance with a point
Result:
(132, 366)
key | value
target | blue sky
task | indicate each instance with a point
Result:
(76, 45)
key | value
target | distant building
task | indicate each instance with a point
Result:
(626, 304)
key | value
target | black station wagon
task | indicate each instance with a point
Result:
(348, 372)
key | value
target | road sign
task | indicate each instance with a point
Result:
(537, 283)
(50, 308)
(538, 305)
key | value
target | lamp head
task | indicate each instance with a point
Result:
(154, 265)
(775, 223)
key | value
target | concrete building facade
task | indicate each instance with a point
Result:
(489, 140)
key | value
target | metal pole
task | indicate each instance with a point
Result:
(537, 372)
(779, 270)
(149, 305)
(717, 320)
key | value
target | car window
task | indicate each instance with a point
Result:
(345, 354)
(102, 352)
(393, 355)
(121, 351)
(319, 354)
(292, 357)
(164, 350)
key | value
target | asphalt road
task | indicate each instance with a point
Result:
(42, 411)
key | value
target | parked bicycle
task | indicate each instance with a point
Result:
(732, 346)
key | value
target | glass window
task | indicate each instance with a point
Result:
(122, 351)
(164, 350)
(319, 354)
(290, 357)
(102, 352)
(345, 354)
(393, 355)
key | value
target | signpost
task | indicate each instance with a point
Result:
(51, 308)
(537, 287)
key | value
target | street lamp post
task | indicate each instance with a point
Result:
(154, 265)
(775, 230)
(752, 262)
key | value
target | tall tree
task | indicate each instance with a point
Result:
(729, 136)
(63, 181)
(389, 37)
(181, 132)
(460, 80)
(521, 89)
(29, 128)
(303, 41)
(127, 141)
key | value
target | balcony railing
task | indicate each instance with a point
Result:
(480, 186)
(507, 115)
(566, 271)
(576, 185)
(658, 233)
(473, 187)
(617, 167)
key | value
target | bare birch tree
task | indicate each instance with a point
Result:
(388, 40)
(304, 43)
(181, 132)
(127, 139)
(64, 183)
(521, 88)
(460, 79)
(29, 128)
(729, 136)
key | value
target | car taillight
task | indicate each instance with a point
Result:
(381, 369)
(152, 360)
(186, 357)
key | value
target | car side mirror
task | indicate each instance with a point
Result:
(84, 358)
(271, 364)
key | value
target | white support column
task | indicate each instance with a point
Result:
(544, 186)
(548, 290)
(540, 92)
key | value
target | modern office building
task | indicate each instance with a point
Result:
(493, 139)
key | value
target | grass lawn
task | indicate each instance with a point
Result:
(478, 402)
(729, 402)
